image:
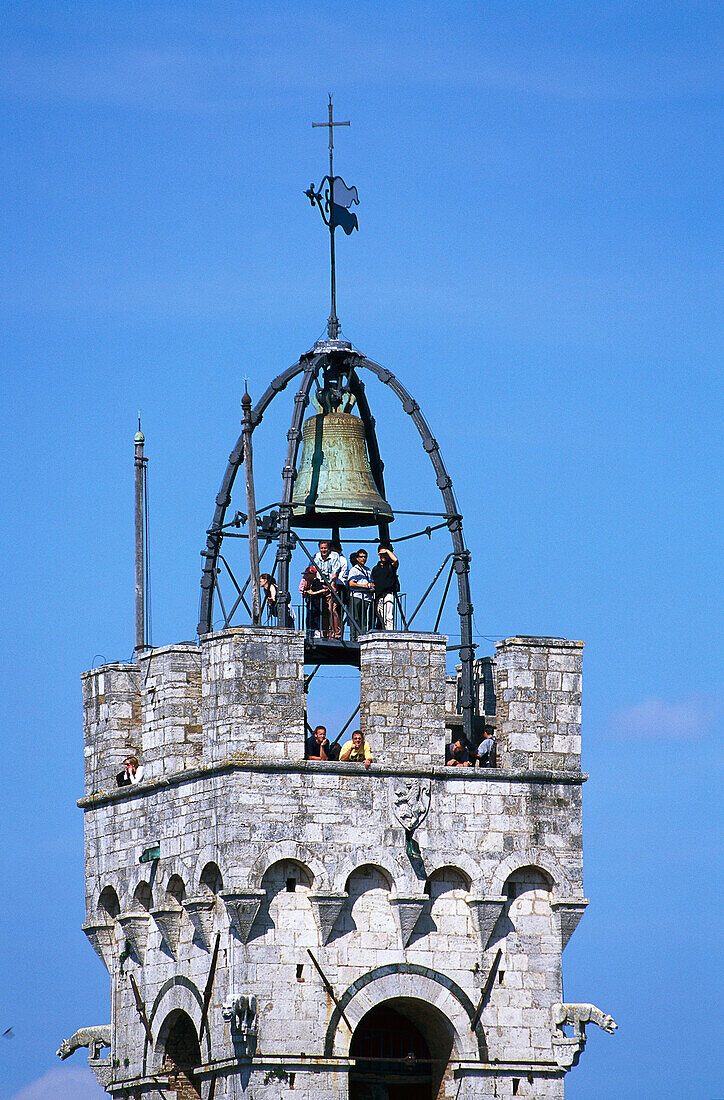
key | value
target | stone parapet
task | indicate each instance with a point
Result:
(538, 703)
(171, 709)
(402, 696)
(111, 722)
(252, 694)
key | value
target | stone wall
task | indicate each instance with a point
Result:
(112, 724)
(539, 703)
(279, 856)
(359, 902)
(402, 696)
(253, 694)
(170, 680)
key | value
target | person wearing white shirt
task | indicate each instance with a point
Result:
(132, 772)
(329, 565)
(361, 593)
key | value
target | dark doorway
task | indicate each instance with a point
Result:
(393, 1059)
(182, 1056)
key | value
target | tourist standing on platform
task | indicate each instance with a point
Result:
(361, 593)
(313, 592)
(386, 582)
(329, 564)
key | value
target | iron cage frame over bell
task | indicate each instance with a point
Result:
(339, 355)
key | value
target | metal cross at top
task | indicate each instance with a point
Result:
(330, 124)
(334, 201)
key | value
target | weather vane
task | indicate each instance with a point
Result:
(334, 198)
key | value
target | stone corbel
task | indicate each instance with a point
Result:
(168, 919)
(569, 912)
(567, 1051)
(201, 913)
(135, 928)
(409, 910)
(327, 908)
(103, 1070)
(102, 937)
(486, 912)
(242, 907)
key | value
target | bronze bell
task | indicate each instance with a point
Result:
(334, 485)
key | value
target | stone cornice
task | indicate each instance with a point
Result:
(330, 767)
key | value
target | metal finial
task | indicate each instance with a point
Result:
(333, 201)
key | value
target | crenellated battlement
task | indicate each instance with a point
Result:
(239, 695)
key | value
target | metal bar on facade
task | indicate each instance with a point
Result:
(486, 990)
(141, 1010)
(329, 989)
(312, 674)
(209, 987)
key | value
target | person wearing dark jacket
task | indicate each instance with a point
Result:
(385, 580)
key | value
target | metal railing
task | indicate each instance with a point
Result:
(356, 617)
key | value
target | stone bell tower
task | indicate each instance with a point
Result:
(276, 925)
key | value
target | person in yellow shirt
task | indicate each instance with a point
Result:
(357, 751)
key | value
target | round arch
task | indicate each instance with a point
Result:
(208, 856)
(407, 981)
(527, 857)
(461, 862)
(178, 994)
(404, 1043)
(390, 868)
(178, 1048)
(296, 853)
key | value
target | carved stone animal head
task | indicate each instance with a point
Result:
(65, 1050)
(608, 1023)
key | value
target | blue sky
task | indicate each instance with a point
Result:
(539, 262)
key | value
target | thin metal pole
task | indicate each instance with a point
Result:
(333, 323)
(251, 510)
(444, 597)
(139, 463)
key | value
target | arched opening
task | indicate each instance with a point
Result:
(211, 881)
(108, 904)
(175, 890)
(401, 1048)
(181, 1056)
(525, 879)
(142, 898)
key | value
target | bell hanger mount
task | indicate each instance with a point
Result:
(334, 199)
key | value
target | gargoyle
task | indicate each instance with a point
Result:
(578, 1016)
(95, 1038)
(241, 1011)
